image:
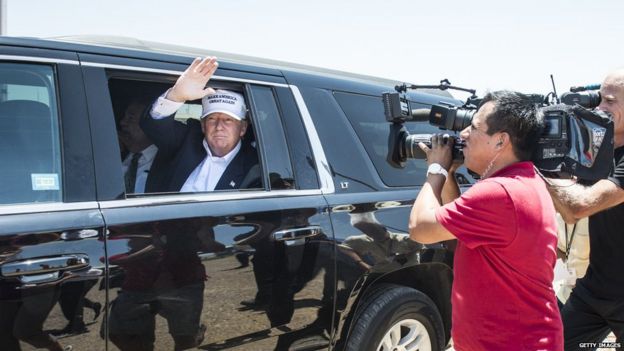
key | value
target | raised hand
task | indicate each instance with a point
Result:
(191, 85)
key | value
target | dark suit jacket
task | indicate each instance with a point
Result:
(181, 150)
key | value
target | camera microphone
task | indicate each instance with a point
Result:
(576, 89)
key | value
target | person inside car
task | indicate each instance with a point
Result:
(140, 151)
(201, 155)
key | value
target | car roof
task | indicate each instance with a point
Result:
(138, 48)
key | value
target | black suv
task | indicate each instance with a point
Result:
(316, 257)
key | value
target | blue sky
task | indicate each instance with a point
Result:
(480, 44)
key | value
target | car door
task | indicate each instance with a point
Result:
(51, 230)
(237, 270)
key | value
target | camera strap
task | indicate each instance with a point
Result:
(568, 244)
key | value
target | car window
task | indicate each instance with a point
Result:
(299, 146)
(366, 115)
(29, 135)
(158, 165)
(278, 162)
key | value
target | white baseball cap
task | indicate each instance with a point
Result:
(225, 101)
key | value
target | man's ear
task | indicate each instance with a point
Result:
(201, 122)
(243, 128)
(503, 140)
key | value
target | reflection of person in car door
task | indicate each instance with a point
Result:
(25, 309)
(73, 300)
(165, 277)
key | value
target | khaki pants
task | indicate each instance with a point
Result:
(578, 256)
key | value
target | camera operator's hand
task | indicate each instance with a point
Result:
(455, 165)
(440, 151)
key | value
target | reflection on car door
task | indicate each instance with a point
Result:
(239, 270)
(225, 270)
(51, 230)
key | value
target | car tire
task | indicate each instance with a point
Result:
(387, 317)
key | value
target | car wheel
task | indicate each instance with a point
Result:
(396, 318)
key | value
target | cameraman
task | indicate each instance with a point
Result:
(596, 304)
(505, 225)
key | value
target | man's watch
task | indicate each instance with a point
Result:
(436, 168)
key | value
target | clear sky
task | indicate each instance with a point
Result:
(482, 44)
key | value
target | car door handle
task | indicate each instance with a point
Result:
(43, 268)
(297, 233)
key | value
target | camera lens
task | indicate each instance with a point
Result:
(410, 147)
(462, 119)
(588, 99)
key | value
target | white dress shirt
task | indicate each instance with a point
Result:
(145, 163)
(163, 107)
(207, 174)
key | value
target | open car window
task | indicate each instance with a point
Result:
(154, 167)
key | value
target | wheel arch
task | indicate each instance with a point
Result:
(432, 279)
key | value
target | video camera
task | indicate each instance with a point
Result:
(575, 140)
(587, 96)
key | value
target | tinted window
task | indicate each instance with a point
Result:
(29, 135)
(297, 138)
(366, 115)
(276, 153)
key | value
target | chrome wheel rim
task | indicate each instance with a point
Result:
(406, 335)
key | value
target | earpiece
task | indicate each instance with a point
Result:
(500, 143)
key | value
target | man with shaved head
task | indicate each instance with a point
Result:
(596, 305)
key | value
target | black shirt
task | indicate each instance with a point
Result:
(604, 276)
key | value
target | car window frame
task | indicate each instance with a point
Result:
(262, 140)
(118, 200)
(77, 184)
(41, 72)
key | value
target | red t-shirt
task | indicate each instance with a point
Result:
(503, 270)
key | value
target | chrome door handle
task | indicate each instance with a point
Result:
(297, 233)
(44, 265)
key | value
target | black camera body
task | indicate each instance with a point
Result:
(588, 99)
(575, 140)
(401, 144)
(553, 142)
(451, 118)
